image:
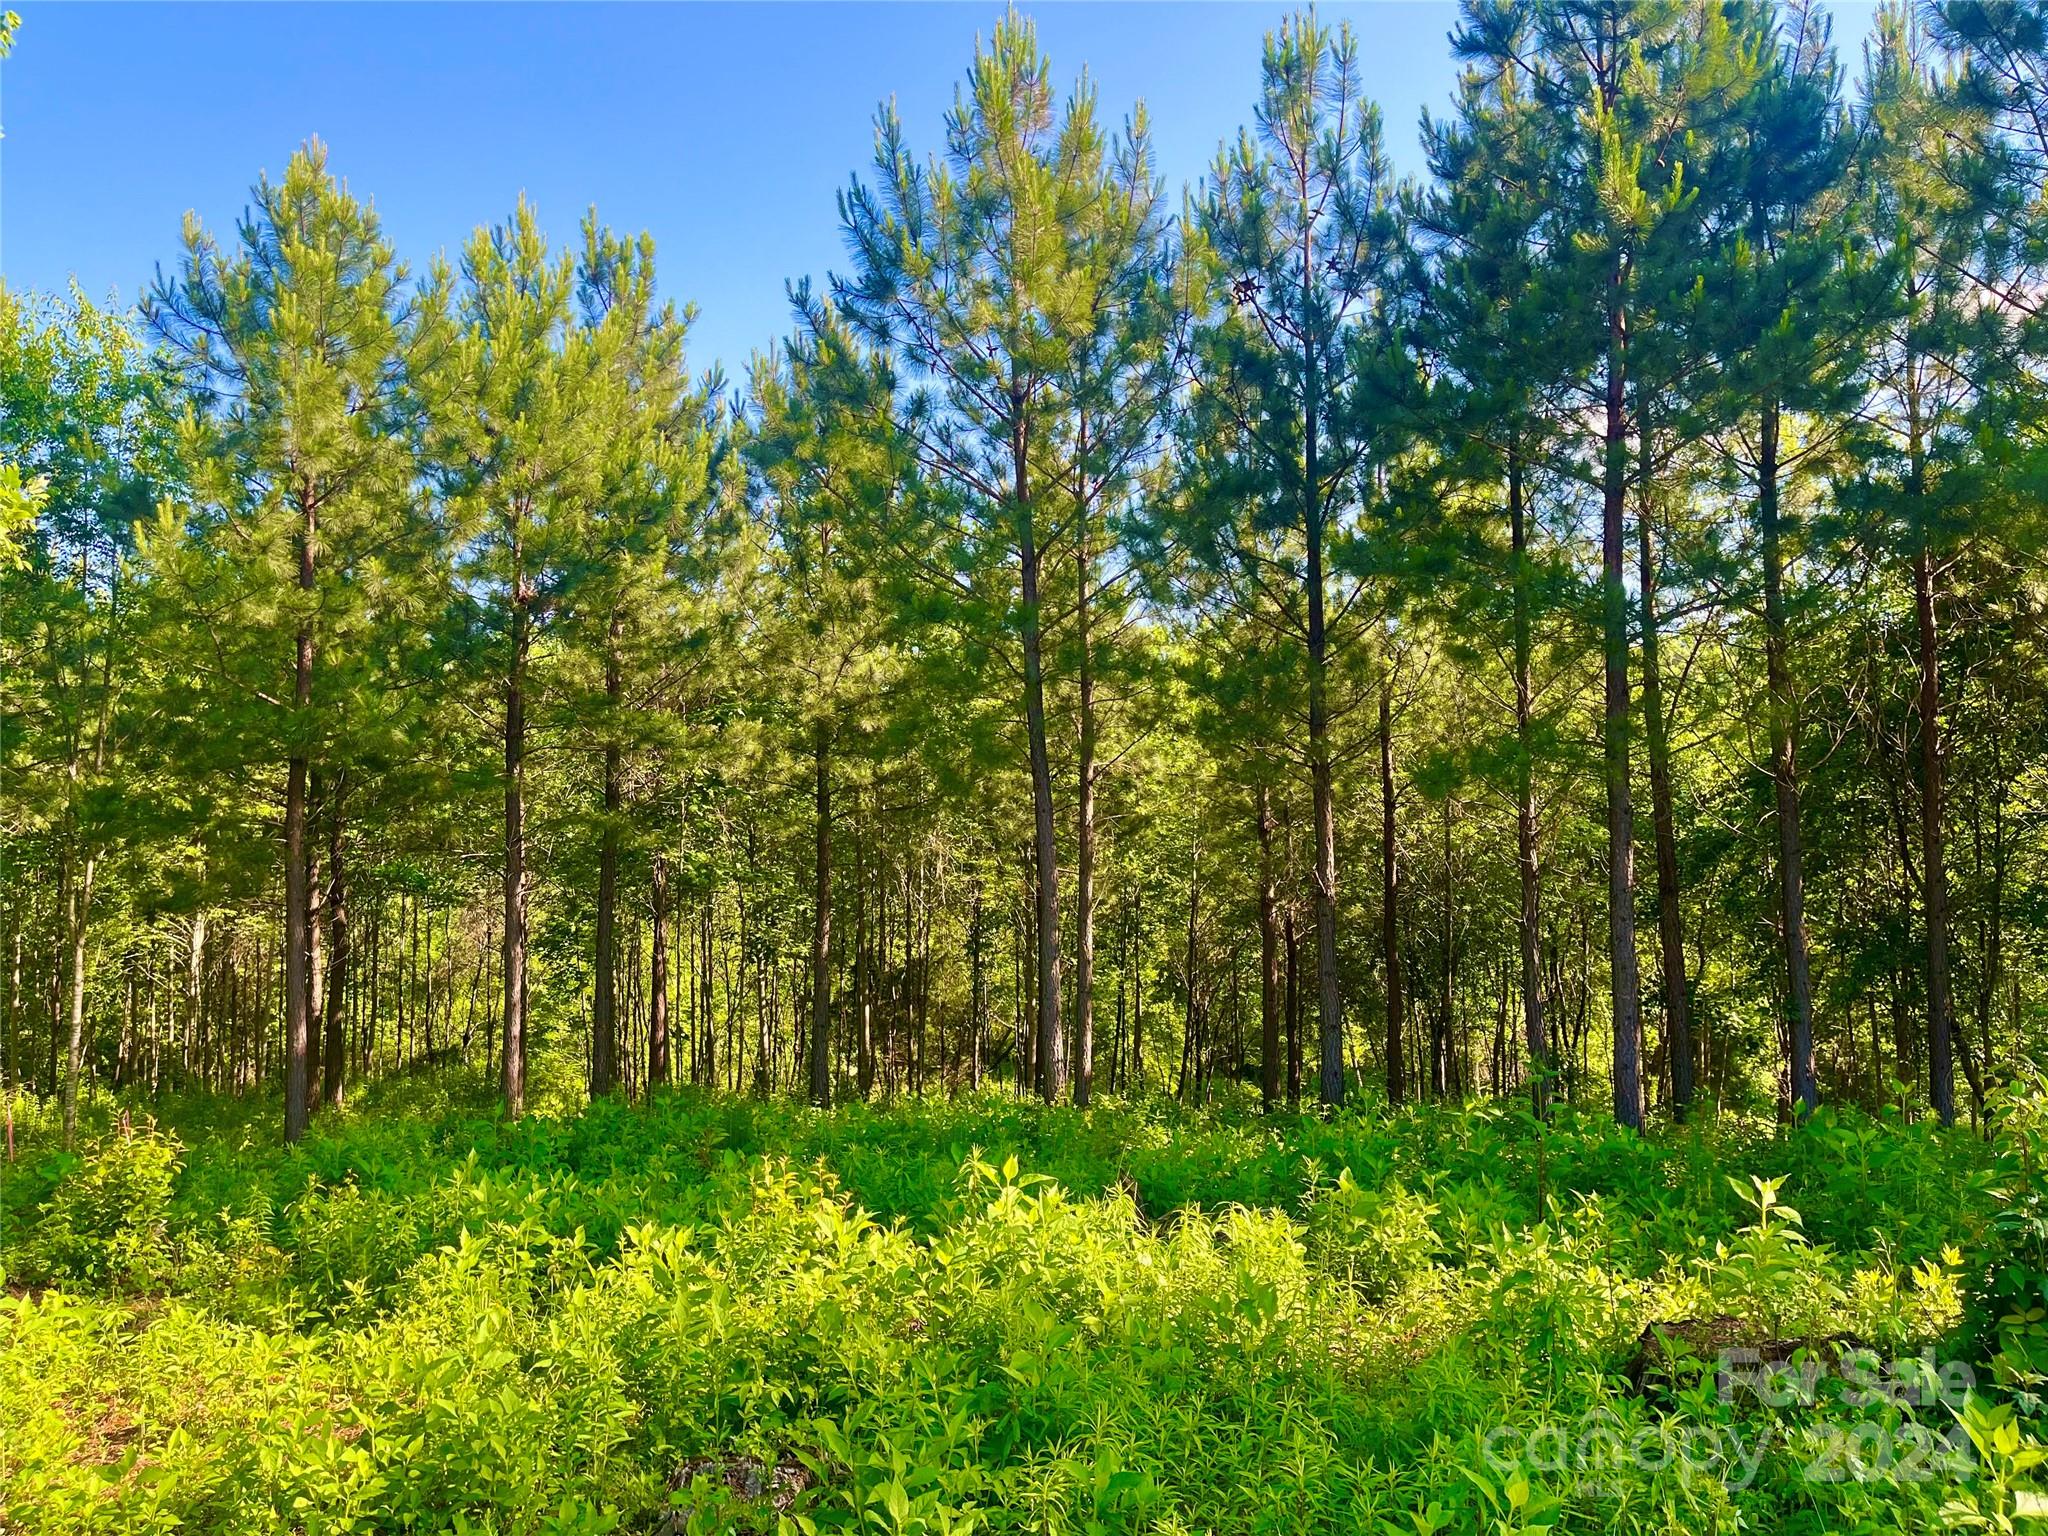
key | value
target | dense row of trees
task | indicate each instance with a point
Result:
(1111, 641)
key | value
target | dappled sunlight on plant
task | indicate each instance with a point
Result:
(709, 1314)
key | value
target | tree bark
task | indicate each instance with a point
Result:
(604, 1009)
(1051, 1052)
(821, 919)
(1624, 979)
(657, 980)
(1657, 744)
(1330, 1076)
(79, 912)
(1269, 958)
(298, 893)
(977, 987)
(1293, 940)
(1784, 725)
(1528, 860)
(512, 1064)
(1084, 860)
(1440, 1072)
(1941, 1072)
(1390, 903)
(334, 1071)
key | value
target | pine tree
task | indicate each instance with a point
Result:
(990, 273)
(524, 404)
(647, 545)
(827, 452)
(1921, 146)
(1782, 307)
(292, 344)
(86, 442)
(1596, 67)
(1503, 363)
(1299, 228)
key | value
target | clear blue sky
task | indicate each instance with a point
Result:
(723, 129)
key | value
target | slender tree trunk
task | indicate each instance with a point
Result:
(1190, 1016)
(863, 972)
(13, 1075)
(298, 892)
(1084, 809)
(821, 919)
(1933, 843)
(1784, 724)
(80, 910)
(1293, 939)
(657, 980)
(1390, 903)
(1624, 980)
(195, 991)
(512, 1066)
(1330, 1076)
(977, 987)
(1528, 859)
(1656, 740)
(1052, 1053)
(1084, 868)
(1440, 1064)
(1330, 1083)
(1941, 1072)
(1269, 958)
(1138, 1001)
(335, 1069)
(316, 941)
(604, 1009)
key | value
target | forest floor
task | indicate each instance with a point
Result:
(711, 1314)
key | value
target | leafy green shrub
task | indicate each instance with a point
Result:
(1380, 1240)
(711, 1314)
(107, 1223)
(1770, 1277)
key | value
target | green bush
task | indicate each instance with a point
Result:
(707, 1314)
(1380, 1240)
(107, 1223)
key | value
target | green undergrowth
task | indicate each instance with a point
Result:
(711, 1314)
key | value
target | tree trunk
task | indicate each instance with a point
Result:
(334, 1072)
(316, 940)
(1624, 981)
(821, 920)
(1190, 1021)
(1528, 861)
(604, 1008)
(1084, 870)
(80, 910)
(512, 1065)
(1293, 939)
(1941, 1072)
(1330, 1077)
(977, 988)
(863, 972)
(1269, 958)
(657, 981)
(1440, 1031)
(1656, 740)
(1330, 1084)
(1390, 904)
(1084, 810)
(1051, 1052)
(1784, 724)
(298, 892)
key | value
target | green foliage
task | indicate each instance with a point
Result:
(107, 1223)
(712, 1314)
(1380, 1239)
